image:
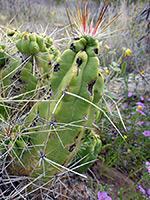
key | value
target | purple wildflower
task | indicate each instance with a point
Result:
(147, 165)
(142, 190)
(128, 128)
(148, 192)
(142, 98)
(141, 104)
(137, 133)
(130, 94)
(141, 112)
(129, 122)
(103, 196)
(125, 105)
(120, 98)
(143, 123)
(146, 133)
(133, 113)
(148, 99)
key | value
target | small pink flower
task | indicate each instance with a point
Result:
(147, 165)
(133, 113)
(125, 105)
(130, 94)
(128, 128)
(129, 122)
(143, 123)
(142, 98)
(142, 190)
(146, 133)
(120, 98)
(103, 196)
(141, 112)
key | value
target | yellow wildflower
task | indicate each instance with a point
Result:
(125, 137)
(3, 17)
(106, 47)
(107, 72)
(139, 107)
(143, 72)
(128, 52)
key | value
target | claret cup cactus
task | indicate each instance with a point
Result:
(65, 117)
(49, 138)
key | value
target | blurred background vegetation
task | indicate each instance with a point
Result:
(44, 11)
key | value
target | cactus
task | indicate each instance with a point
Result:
(76, 71)
(47, 139)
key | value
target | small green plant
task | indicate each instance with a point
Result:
(100, 191)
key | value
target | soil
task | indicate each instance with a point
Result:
(76, 187)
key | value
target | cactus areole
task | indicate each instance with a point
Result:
(59, 123)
